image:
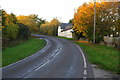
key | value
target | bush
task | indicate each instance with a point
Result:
(24, 32)
(10, 32)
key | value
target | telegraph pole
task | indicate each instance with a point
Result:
(119, 17)
(94, 21)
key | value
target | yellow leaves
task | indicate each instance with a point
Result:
(52, 23)
(3, 26)
(23, 19)
(50, 28)
(84, 34)
(83, 18)
(30, 21)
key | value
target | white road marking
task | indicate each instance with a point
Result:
(84, 78)
(85, 64)
(47, 61)
(85, 72)
(42, 65)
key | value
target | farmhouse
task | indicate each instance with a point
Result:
(65, 30)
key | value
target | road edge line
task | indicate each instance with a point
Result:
(84, 59)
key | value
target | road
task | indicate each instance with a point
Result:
(58, 59)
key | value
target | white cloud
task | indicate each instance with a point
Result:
(46, 9)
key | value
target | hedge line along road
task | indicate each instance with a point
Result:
(60, 58)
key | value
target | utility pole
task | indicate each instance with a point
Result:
(94, 21)
(119, 18)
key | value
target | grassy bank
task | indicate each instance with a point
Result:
(23, 50)
(105, 57)
(64, 38)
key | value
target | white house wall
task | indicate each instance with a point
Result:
(67, 33)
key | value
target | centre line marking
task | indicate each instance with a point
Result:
(85, 72)
(47, 61)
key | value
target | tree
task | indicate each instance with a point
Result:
(9, 29)
(55, 23)
(13, 18)
(0, 27)
(105, 18)
(32, 21)
(40, 21)
(83, 18)
(70, 21)
(50, 28)
(4, 16)
(24, 32)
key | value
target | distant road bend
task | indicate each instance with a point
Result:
(58, 59)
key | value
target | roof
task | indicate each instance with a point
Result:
(66, 26)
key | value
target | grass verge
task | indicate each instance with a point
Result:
(64, 38)
(106, 57)
(21, 51)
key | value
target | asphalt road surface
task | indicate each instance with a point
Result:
(58, 59)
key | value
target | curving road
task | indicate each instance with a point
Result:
(58, 59)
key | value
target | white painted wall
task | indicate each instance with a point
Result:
(67, 33)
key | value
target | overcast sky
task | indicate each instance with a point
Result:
(46, 9)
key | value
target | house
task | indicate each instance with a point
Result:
(65, 30)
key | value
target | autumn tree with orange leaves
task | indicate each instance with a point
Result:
(106, 18)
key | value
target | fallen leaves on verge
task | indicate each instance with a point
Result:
(82, 41)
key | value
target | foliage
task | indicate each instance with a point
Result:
(50, 28)
(24, 32)
(106, 16)
(70, 21)
(32, 21)
(11, 30)
(83, 18)
(12, 18)
(4, 16)
(0, 22)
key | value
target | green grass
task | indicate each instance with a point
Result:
(64, 38)
(106, 57)
(21, 51)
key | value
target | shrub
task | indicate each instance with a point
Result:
(24, 32)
